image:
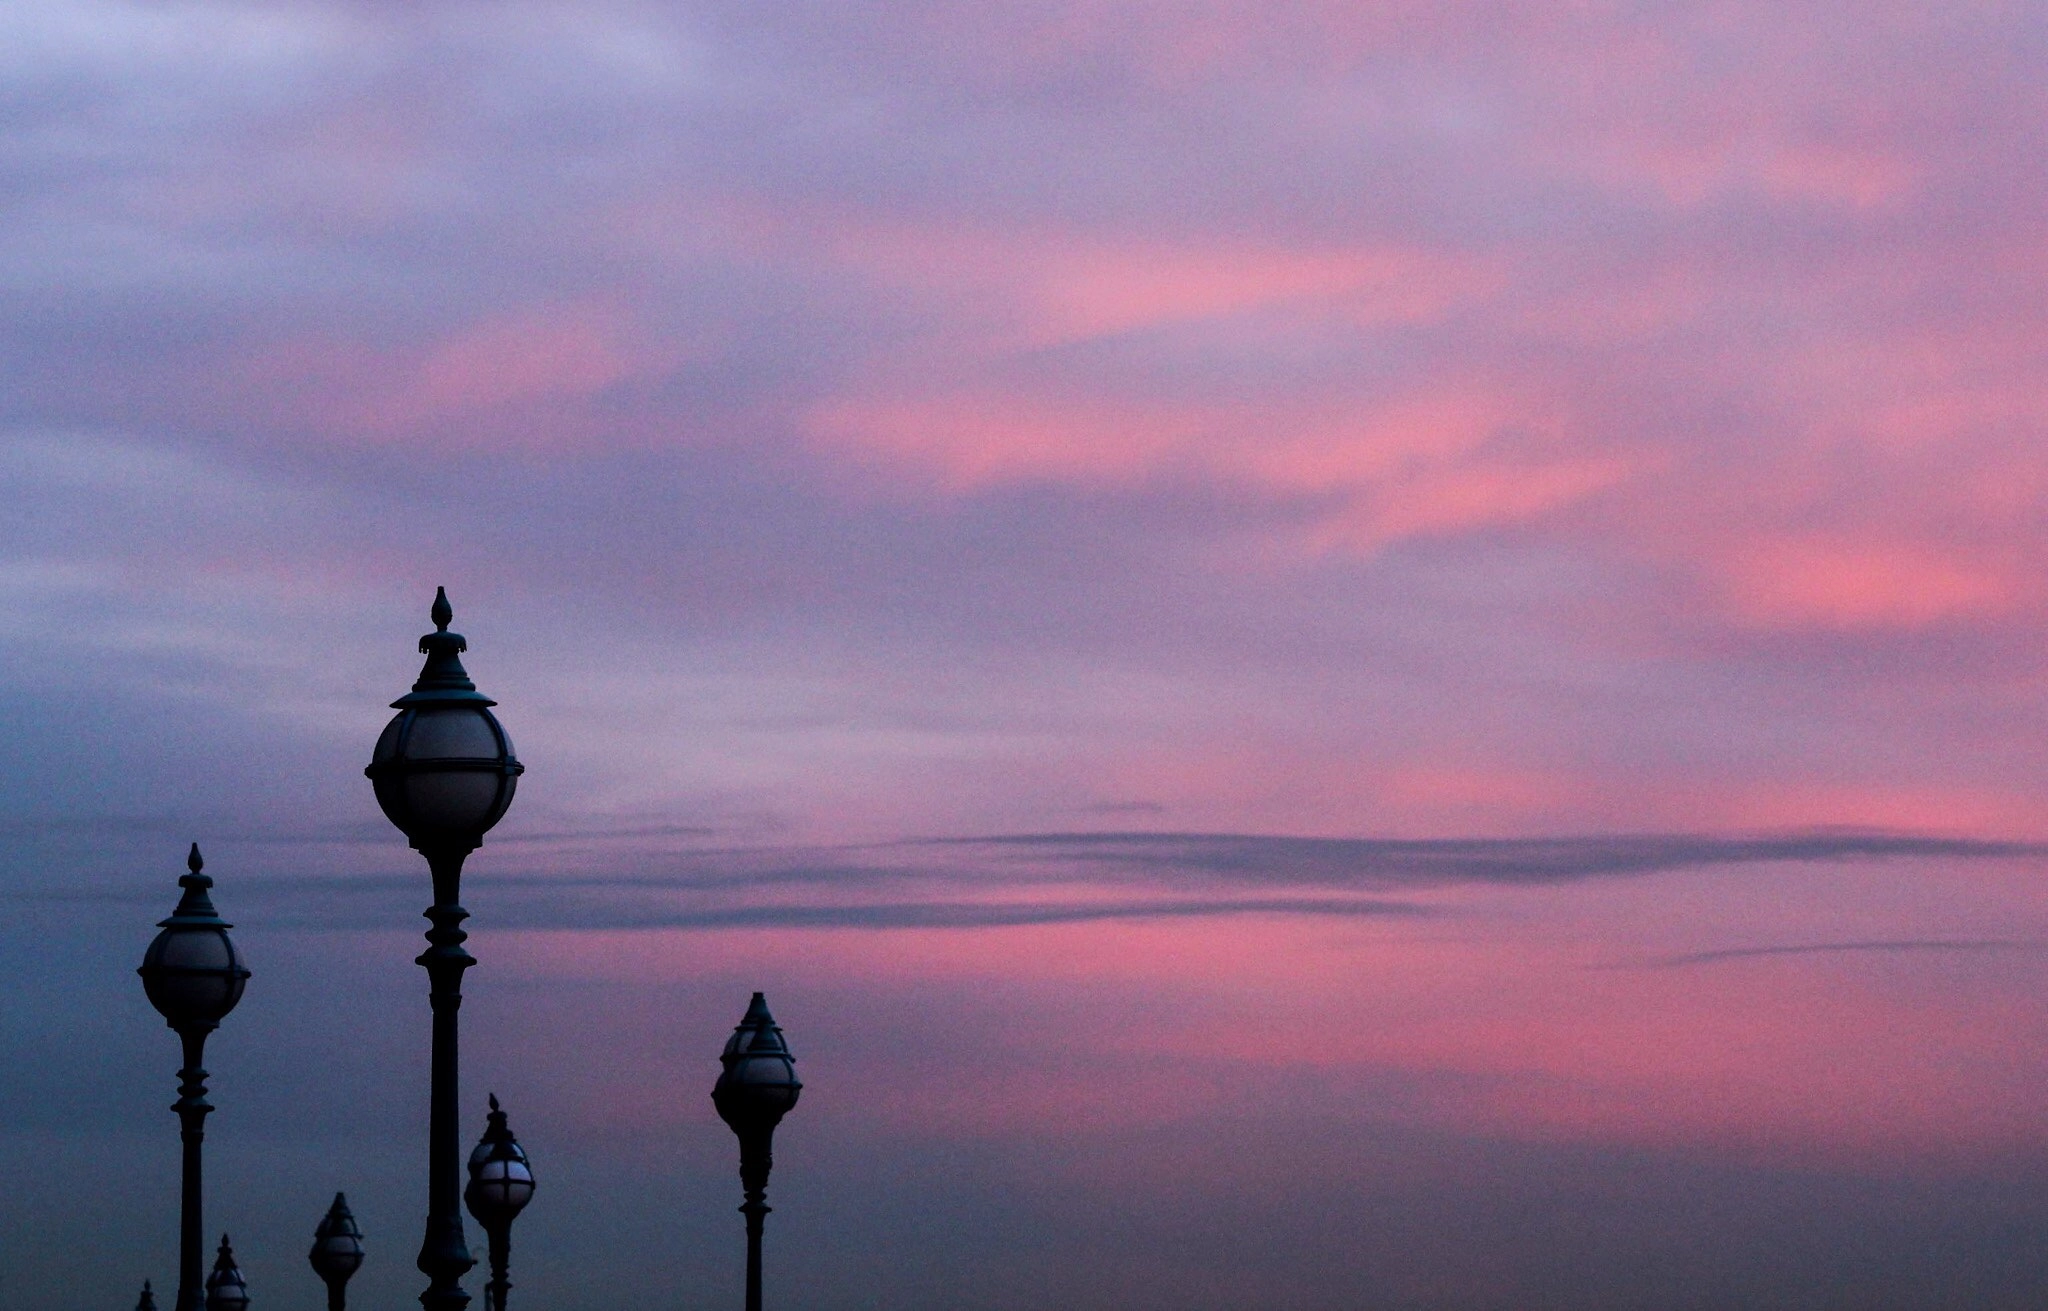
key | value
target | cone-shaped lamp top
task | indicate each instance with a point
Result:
(337, 1244)
(148, 1300)
(192, 973)
(443, 680)
(757, 1084)
(225, 1290)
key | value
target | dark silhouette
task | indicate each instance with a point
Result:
(500, 1186)
(755, 1089)
(193, 976)
(337, 1251)
(225, 1290)
(444, 774)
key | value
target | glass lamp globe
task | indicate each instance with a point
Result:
(191, 972)
(337, 1244)
(500, 1176)
(443, 768)
(225, 1289)
(758, 1083)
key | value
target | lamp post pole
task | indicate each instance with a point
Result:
(756, 1086)
(444, 1254)
(192, 1108)
(193, 976)
(444, 773)
(755, 1162)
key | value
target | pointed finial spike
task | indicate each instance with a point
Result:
(193, 861)
(494, 1101)
(442, 614)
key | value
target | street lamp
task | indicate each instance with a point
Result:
(194, 976)
(337, 1251)
(500, 1186)
(756, 1087)
(444, 773)
(147, 1302)
(225, 1290)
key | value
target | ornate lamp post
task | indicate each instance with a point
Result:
(225, 1290)
(337, 1251)
(500, 1186)
(756, 1087)
(193, 976)
(444, 774)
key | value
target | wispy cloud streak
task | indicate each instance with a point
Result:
(1394, 862)
(1729, 954)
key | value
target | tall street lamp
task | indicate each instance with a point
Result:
(337, 1251)
(756, 1087)
(194, 976)
(444, 774)
(500, 1186)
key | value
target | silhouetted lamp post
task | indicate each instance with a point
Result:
(225, 1290)
(147, 1302)
(500, 1186)
(756, 1087)
(337, 1252)
(193, 976)
(444, 774)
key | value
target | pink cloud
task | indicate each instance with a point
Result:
(1509, 1017)
(569, 351)
(1035, 283)
(518, 378)
(1082, 291)
(1854, 585)
(1407, 466)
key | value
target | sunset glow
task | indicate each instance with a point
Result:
(1325, 656)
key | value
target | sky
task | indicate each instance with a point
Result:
(1324, 656)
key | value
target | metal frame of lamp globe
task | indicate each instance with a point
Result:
(444, 773)
(756, 1087)
(500, 1185)
(337, 1251)
(226, 1290)
(194, 976)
